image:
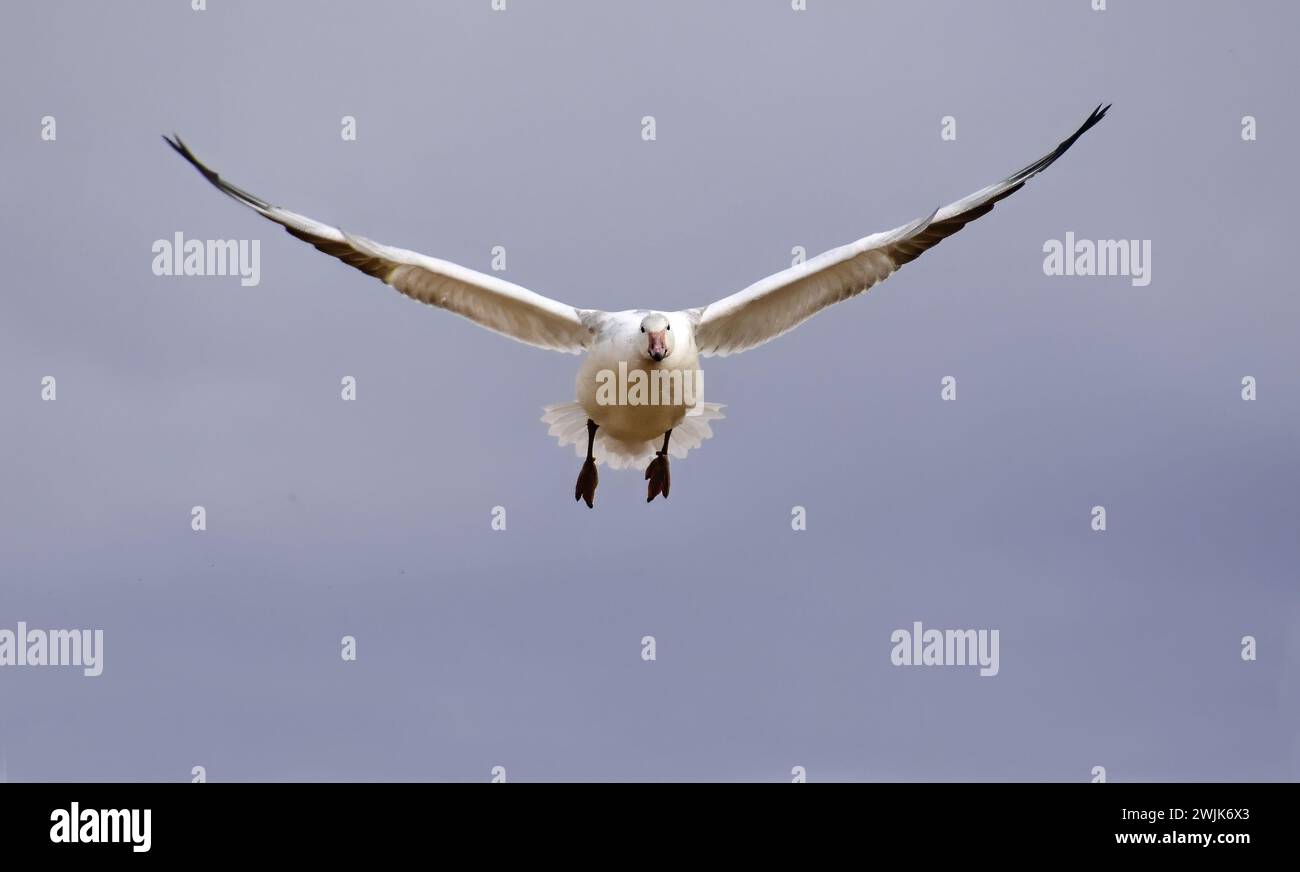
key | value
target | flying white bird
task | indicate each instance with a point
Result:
(640, 382)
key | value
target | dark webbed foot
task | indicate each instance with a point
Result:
(585, 489)
(658, 475)
(657, 472)
(587, 480)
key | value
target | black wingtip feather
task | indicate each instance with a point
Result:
(1097, 114)
(1047, 160)
(178, 145)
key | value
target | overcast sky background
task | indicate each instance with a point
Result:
(522, 649)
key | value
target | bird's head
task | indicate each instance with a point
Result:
(658, 336)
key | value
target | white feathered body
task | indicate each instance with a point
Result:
(630, 433)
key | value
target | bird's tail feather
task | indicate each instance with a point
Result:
(568, 423)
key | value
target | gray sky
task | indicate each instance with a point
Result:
(522, 649)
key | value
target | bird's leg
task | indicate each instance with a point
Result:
(657, 472)
(587, 478)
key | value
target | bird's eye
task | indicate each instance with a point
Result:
(642, 329)
(669, 327)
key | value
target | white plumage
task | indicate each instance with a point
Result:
(643, 341)
(569, 424)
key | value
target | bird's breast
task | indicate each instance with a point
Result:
(634, 398)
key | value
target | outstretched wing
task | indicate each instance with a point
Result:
(783, 301)
(500, 306)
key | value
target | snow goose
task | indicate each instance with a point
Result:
(640, 381)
